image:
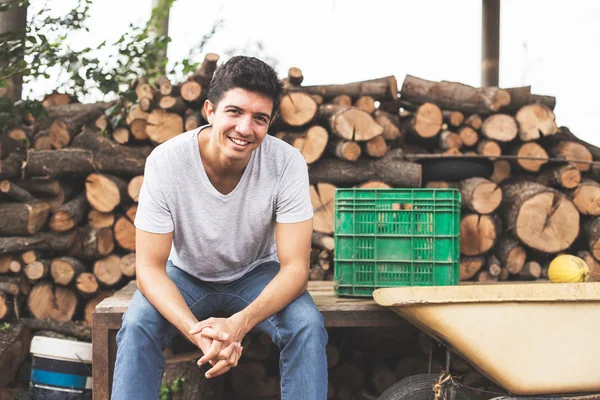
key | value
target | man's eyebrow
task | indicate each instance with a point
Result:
(241, 109)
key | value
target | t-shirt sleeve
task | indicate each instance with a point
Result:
(153, 213)
(293, 196)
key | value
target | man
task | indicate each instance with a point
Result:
(224, 223)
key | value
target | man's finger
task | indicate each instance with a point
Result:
(198, 327)
(214, 334)
(219, 369)
(212, 352)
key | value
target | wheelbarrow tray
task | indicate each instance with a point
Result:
(530, 338)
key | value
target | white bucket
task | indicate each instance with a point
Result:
(60, 369)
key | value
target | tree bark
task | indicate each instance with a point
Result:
(14, 346)
(511, 254)
(586, 197)
(16, 193)
(390, 124)
(63, 327)
(41, 241)
(10, 167)
(64, 129)
(454, 96)
(67, 216)
(572, 151)
(59, 163)
(591, 229)
(562, 176)
(193, 383)
(536, 215)
(390, 169)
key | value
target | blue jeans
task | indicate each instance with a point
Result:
(297, 330)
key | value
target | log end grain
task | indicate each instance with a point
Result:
(535, 120)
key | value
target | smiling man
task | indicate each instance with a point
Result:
(224, 224)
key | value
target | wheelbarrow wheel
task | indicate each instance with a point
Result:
(420, 387)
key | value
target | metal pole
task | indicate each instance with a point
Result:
(490, 42)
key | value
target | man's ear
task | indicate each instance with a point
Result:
(209, 110)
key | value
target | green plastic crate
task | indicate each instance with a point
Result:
(395, 237)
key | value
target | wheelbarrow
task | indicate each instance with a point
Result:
(535, 340)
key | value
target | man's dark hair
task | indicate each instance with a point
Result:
(247, 73)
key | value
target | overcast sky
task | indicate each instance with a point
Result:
(552, 45)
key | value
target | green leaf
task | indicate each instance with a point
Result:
(4, 326)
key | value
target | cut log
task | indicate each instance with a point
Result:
(5, 261)
(382, 377)
(346, 150)
(14, 347)
(105, 192)
(531, 270)
(23, 218)
(572, 151)
(350, 123)
(454, 96)
(138, 127)
(134, 186)
(511, 254)
(64, 129)
(97, 219)
(30, 256)
(108, 270)
(500, 127)
(64, 270)
(135, 113)
(468, 136)
(480, 195)
(376, 147)
(127, 265)
(342, 100)
(474, 121)
(15, 192)
(390, 169)
(163, 125)
(87, 284)
(591, 229)
(59, 163)
(68, 328)
(350, 373)
(311, 143)
(143, 91)
(91, 244)
(10, 167)
(5, 307)
(566, 134)
(67, 216)
(450, 140)
(586, 197)
(592, 263)
(192, 384)
(536, 215)
(425, 123)
(470, 266)
(521, 96)
(493, 266)
(56, 99)
(191, 91)
(90, 305)
(454, 118)
(380, 89)
(390, 124)
(374, 185)
(478, 233)
(323, 241)
(322, 199)
(564, 176)
(49, 301)
(252, 379)
(485, 276)
(365, 103)
(295, 76)
(68, 191)
(489, 148)
(316, 273)
(297, 109)
(531, 155)
(125, 230)
(37, 270)
(121, 135)
(14, 285)
(163, 84)
(172, 104)
(41, 187)
(41, 241)
(333, 355)
(535, 120)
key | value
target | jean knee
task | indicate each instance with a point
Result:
(310, 323)
(142, 321)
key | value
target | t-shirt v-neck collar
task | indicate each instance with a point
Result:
(204, 176)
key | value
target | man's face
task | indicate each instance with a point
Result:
(240, 122)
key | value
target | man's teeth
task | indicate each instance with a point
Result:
(239, 142)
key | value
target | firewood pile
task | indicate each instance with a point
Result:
(69, 183)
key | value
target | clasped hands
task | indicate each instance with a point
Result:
(220, 339)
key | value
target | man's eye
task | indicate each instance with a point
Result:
(234, 111)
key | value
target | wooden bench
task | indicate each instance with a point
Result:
(337, 312)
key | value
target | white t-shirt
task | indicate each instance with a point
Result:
(219, 237)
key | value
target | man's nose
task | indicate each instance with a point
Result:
(244, 126)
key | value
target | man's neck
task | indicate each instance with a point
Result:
(214, 161)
